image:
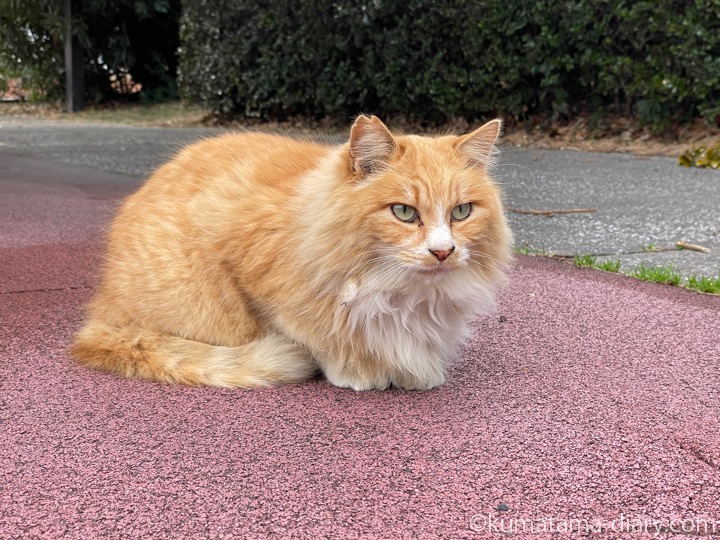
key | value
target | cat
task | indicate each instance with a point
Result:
(254, 259)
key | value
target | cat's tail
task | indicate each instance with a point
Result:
(146, 354)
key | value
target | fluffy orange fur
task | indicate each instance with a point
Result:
(253, 259)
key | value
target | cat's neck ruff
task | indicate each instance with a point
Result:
(415, 314)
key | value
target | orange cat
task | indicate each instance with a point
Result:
(254, 259)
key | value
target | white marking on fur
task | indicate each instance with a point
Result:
(349, 293)
(416, 330)
(439, 237)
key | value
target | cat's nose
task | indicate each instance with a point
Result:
(442, 254)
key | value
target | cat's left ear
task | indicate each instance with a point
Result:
(479, 145)
(371, 144)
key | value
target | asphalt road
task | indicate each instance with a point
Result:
(639, 201)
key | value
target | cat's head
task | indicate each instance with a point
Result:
(430, 206)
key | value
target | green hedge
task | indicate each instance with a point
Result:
(432, 61)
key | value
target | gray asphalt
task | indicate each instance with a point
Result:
(638, 201)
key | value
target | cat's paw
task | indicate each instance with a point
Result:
(412, 382)
(357, 383)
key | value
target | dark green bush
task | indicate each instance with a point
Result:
(658, 60)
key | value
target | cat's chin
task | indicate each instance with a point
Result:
(434, 271)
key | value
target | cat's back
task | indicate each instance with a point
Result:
(236, 160)
(167, 242)
(212, 188)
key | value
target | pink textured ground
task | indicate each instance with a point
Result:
(597, 398)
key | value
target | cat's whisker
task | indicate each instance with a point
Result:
(473, 250)
(513, 165)
(381, 279)
(369, 262)
(482, 271)
(478, 255)
(380, 252)
(382, 260)
(389, 254)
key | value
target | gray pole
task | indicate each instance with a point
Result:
(69, 90)
(74, 66)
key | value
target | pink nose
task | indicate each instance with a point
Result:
(442, 254)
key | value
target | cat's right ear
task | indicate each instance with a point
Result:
(480, 145)
(371, 145)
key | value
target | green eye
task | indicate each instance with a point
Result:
(404, 212)
(461, 211)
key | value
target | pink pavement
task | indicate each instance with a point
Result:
(588, 404)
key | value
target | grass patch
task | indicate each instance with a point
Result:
(528, 249)
(657, 274)
(589, 261)
(666, 274)
(704, 284)
(585, 261)
(649, 248)
(609, 265)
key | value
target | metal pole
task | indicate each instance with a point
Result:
(74, 66)
(69, 87)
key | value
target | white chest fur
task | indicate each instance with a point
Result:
(415, 326)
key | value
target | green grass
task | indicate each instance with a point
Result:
(658, 274)
(527, 249)
(648, 248)
(589, 261)
(609, 265)
(667, 274)
(704, 284)
(585, 261)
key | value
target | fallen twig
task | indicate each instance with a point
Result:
(694, 247)
(550, 212)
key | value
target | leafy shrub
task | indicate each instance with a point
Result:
(436, 60)
(433, 61)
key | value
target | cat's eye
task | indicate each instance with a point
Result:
(404, 212)
(461, 211)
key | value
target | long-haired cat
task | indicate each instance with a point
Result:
(253, 259)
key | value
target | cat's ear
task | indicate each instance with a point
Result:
(371, 144)
(479, 145)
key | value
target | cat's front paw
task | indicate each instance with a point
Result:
(413, 382)
(355, 382)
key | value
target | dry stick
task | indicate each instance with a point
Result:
(550, 212)
(693, 247)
